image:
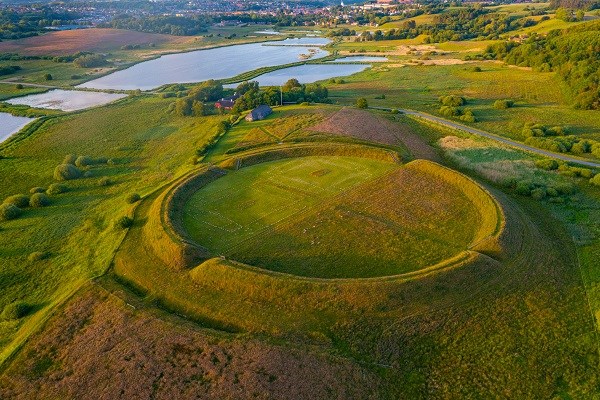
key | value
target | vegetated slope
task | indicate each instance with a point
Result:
(145, 356)
(404, 221)
(73, 238)
(247, 202)
(574, 53)
(366, 125)
(79, 40)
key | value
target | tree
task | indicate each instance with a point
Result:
(210, 90)
(48, 77)
(361, 102)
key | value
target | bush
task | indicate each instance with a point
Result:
(547, 164)
(70, 159)
(133, 198)
(124, 222)
(84, 161)
(48, 77)
(57, 188)
(476, 69)
(9, 211)
(19, 200)
(503, 104)
(37, 189)
(18, 86)
(452, 101)
(104, 181)
(538, 193)
(39, 200)
(65, 172)
(38, 256)
(15, 310)
(595, 180)
(523, 188)
(362, 103)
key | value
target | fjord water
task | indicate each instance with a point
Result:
(10, 124)
(202, 65)
(67, 100)
(307, 73)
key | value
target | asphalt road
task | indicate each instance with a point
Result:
(509, 142)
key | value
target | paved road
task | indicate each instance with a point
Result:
(509, 142)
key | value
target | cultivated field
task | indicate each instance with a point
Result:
(78, 40)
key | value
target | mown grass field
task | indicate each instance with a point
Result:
(245, 204)
(380, 228)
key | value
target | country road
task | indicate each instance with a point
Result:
(509, 142)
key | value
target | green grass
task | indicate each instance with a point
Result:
(147, 145)
(539, 97)
(403, 233)
(246, 203)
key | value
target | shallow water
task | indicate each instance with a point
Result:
(66, 100)
(10, 124)
(308, 73)
(202, 65)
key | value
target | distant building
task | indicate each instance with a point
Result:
(260, 112)
(226, 103)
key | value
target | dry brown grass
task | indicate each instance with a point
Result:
(95, 40)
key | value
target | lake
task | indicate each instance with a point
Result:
(66, 100)
(202, 65)
(10, 124)
(307, 73)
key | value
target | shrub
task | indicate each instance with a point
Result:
(38, 256)
(595, 180)
(452, 100)
(105, 181)
(84, 161)
(362, 103)
(70, 159)
(133, 198)
(551, 192)
(19, 200)
(57, 188)
(37, 189)
(9, 211)
(124, 222)
(476, 69)
(18, 86)
(523, 188)
(39, 200)
(503, 104)
(538, 193)
(564, 188)
(15, 310)
(547, 164)
(48, 77)
(65, 172)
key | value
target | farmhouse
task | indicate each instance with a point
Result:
(260, 112)
(226, 103)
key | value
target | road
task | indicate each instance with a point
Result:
(509, 142)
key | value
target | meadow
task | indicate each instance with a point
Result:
(143, 151)
(380, 228)
(265, 195)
